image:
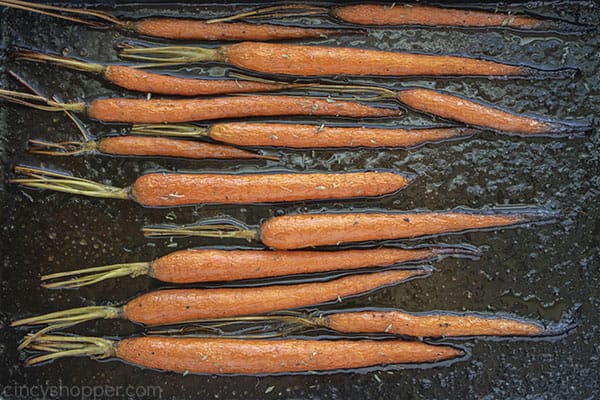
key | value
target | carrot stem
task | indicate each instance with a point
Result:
(65, 319)
(49, 105)
(169, 55)
(58, 346)
(296, 320)
(41, 9)
(225, 230)
(90, 276)
(80, 126)
(64, 61)
(44, 179)
(69, 148)
(177, 130)
(275, 12)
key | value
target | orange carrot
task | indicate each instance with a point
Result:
(210, 265)
(299, 60)
(145, 146)
(191, 29)
(312, 230)
(173, 189)
(297, 231)
(485, 115)
(416, 14)
(244, 356)
(148, 82)
(422, 15)
(314, 136)
(168, 110)
(156, 111)
(429, 324)
(172, 306)
(182, 29)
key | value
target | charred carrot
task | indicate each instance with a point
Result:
(145, 146)
(148, 82)
(172, 306)
(312, 230)
(384, 321)
(156, 111)
(173, 189)
(244, 356)
(211, 265)
(191, 29)
(307, 136)
(299, 60)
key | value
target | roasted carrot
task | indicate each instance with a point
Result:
(172, 306)
(156, 111)
(191, 29)
(174, 189)
(429, 324)
(422, 15)
(244, 356)
(307, 136)
(480, 114)
(297, 231)
(299, 60)
(148, 82)
(211, 265)
(145, 146)
(312, 230)
(417, 14)
(176, 28)
(385, 321)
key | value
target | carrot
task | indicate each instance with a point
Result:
(168, 110)
(416, 14)
(299, 60)
(172, 306)
(244, 356)
(312, 230)
(185, 110)
(429, 324)
(145, 146)
(314, 136)
(384, 321)
(422, 15)
(480, 114)
(297, 231)
(210, 265)
(173, 189)
(148, 82)
(180, 29)
(191, 29)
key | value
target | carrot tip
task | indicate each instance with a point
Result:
(559, 73)
(537, 216)
(576, 128)
(461, 251)
(564, 27)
